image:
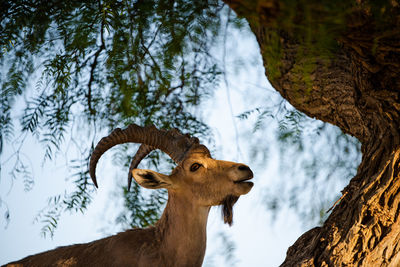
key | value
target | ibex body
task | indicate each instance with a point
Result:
(179, 237)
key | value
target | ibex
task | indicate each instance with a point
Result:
(179, 237)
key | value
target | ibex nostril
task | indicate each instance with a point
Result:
(244, 168)
(188, 208)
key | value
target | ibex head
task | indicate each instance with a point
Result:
(200, 178)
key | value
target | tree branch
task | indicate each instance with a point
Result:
(333, 93)
(93, 67)
(357, 89)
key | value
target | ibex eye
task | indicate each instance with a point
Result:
(195, 167)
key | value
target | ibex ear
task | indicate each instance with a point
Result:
(151, 179)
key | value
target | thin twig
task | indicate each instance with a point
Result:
(227, 84)
(93, 67)
(337, 201)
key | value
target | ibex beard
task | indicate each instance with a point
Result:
(179, 238)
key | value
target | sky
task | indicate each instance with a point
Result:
(258, 239)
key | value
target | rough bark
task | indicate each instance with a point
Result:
(359, 91)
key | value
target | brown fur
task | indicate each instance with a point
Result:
(179, 237)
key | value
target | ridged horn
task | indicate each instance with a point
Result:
(142, 152)
(172, 142)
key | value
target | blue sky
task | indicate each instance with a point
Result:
(259, 241)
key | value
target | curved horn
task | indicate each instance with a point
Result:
(142, 152)
(172, 142)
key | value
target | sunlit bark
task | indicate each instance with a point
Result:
(357, 89)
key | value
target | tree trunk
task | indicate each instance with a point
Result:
(357, 89)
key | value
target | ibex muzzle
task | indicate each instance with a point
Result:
(179, 237)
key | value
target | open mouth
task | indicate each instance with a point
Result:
(243, 180)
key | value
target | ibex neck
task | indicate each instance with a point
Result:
(182, 229)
